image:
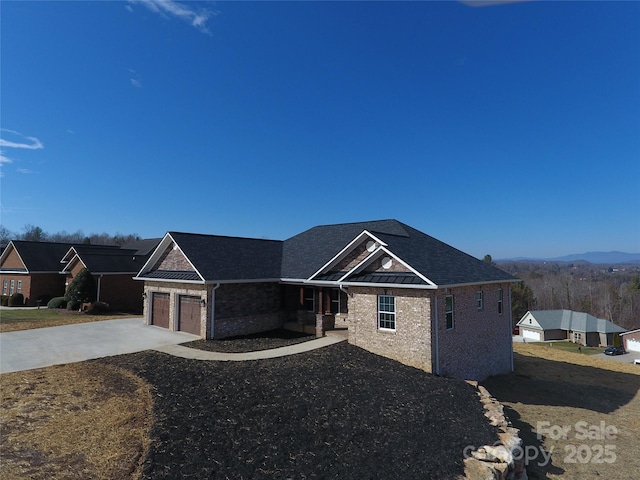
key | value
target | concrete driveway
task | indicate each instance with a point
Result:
(628, 357)
(43, 347)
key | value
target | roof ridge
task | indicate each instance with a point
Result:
(224, 236)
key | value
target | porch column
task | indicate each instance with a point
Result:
(327, 302)
(319, 315)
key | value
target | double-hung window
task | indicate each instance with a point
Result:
(4, 287)
(19, 286)
(500, 301)
(448, 311)
(386, 312)
(479, 299)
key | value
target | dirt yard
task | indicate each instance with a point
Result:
(585, 411)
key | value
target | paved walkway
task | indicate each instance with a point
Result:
(43, 347)
(186, 352)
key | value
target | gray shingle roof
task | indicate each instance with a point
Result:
(574, 321)
(444, 265)
(41, 256)
(220, 258)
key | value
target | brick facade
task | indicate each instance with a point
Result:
(479, 344)
(410, 343)
(174, 260)
(240, 309)
(35, 286)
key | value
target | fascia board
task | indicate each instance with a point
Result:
(208, 282)
(169, 280)
(155, 256)
(375, 255)
(343, 253)
(471, 284)
(5, 252)
(631, 331)
(388, 285)
(67, 268)
(66, 258)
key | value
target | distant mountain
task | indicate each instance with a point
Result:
(591, 257)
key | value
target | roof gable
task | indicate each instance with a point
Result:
(38, 257)
(214, 258)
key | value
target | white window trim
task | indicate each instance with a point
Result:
(386, 329)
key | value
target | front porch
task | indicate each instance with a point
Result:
(315, 309)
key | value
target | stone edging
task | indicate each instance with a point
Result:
(503, 460)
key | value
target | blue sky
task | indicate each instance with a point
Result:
(512, 129)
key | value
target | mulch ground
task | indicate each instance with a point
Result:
(249, 343)
(335, 412)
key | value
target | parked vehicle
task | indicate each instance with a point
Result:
(614, 351)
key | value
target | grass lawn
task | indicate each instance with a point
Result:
(568, 346)
(13, 319)
(585, 411)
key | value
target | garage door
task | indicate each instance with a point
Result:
(633, 345)
(160, 310)
(528, 334)
(189, 314)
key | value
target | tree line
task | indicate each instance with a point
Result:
(37, 234)
(611, 292)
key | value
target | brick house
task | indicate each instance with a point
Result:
(33, 269)
(113, 268)
(399, 292)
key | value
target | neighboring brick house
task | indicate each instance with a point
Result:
(577, 327)
(113, 269)
(400, 293)
(33, 269)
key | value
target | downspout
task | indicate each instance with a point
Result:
(435, 338)
(351, 332)
(212, 305)
(98, 289)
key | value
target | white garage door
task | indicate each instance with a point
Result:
(633, 345)
(531, 335)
